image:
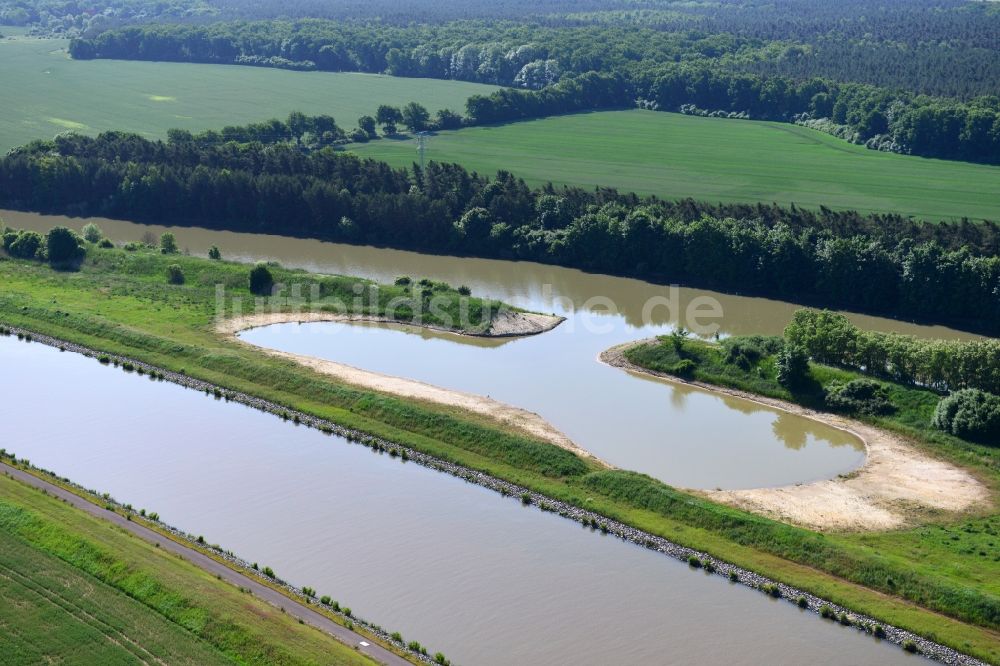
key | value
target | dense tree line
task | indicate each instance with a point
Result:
(944, 365)
(596, 67)
(884, 264)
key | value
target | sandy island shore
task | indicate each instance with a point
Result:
(507, 324)
(896, 481)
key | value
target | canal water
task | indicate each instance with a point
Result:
(447, 563)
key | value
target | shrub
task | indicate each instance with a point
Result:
(325, 600)
(746, 351)
(403, 280)
(23, 245)
(92, 233)
(168, 243)
(269, 572)
(346, 611)
(155, 517)
(683, 368)
(772, 590)
(970, 414)
(802, 602)
(214, 253)
(106, 243)
(878, 631)
(175, 275)
(910, 646)
(694, 561)
(793, 366)
(826, 612)
(464, 291)
(62, 246)
(859, 396)
(844, 619)
(439, 658)
(733, 576)
(396, 636)
(525, 498)
(414, 646)
(261, 280)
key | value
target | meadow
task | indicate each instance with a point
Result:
(46, 93)
(78, 590)
(713, 159)
(121, 302)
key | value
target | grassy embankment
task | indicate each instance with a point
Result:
(77, 590)
(120, 302)
(713, 159)
(48, 93)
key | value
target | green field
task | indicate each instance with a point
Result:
(713, 159)
(75, 589)
(52, 611)
(45, 92)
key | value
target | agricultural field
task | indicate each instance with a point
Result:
(52, 611)
(56, 94)
(674, 156)
(74, 589)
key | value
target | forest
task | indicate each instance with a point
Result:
(691, 72)
(880, 264)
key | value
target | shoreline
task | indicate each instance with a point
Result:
(504, 414)
(895, 477)
(711, 565)
(511, 324)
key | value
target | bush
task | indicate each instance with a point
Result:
(269, 572)
(859, 396)
(878, 631)
(793, 366)
(970, 414)
(23, 244)
(92, 233)
(168, 244)
(745, 352)
(772, 590)
(694, 561)
(683, 368)
(174, 274)
(910, 646)
(826, 612)
(802, 602)
(106, 243)
(62, 246)
(403, 281)
(261, 280)
(396, 636)
(214, 253)
(464, 291)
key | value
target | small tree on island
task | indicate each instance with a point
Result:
(175, 275)
(62, 246)
(92, 233)
(793, 366)
(261, 280)
(168, 244)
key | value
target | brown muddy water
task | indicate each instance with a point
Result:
(682, 435)
(447, 563)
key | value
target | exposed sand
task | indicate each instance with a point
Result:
(505, 324)
(507, 416)
(896, 483)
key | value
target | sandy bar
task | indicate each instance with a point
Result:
(896, 483)
(507, 416)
